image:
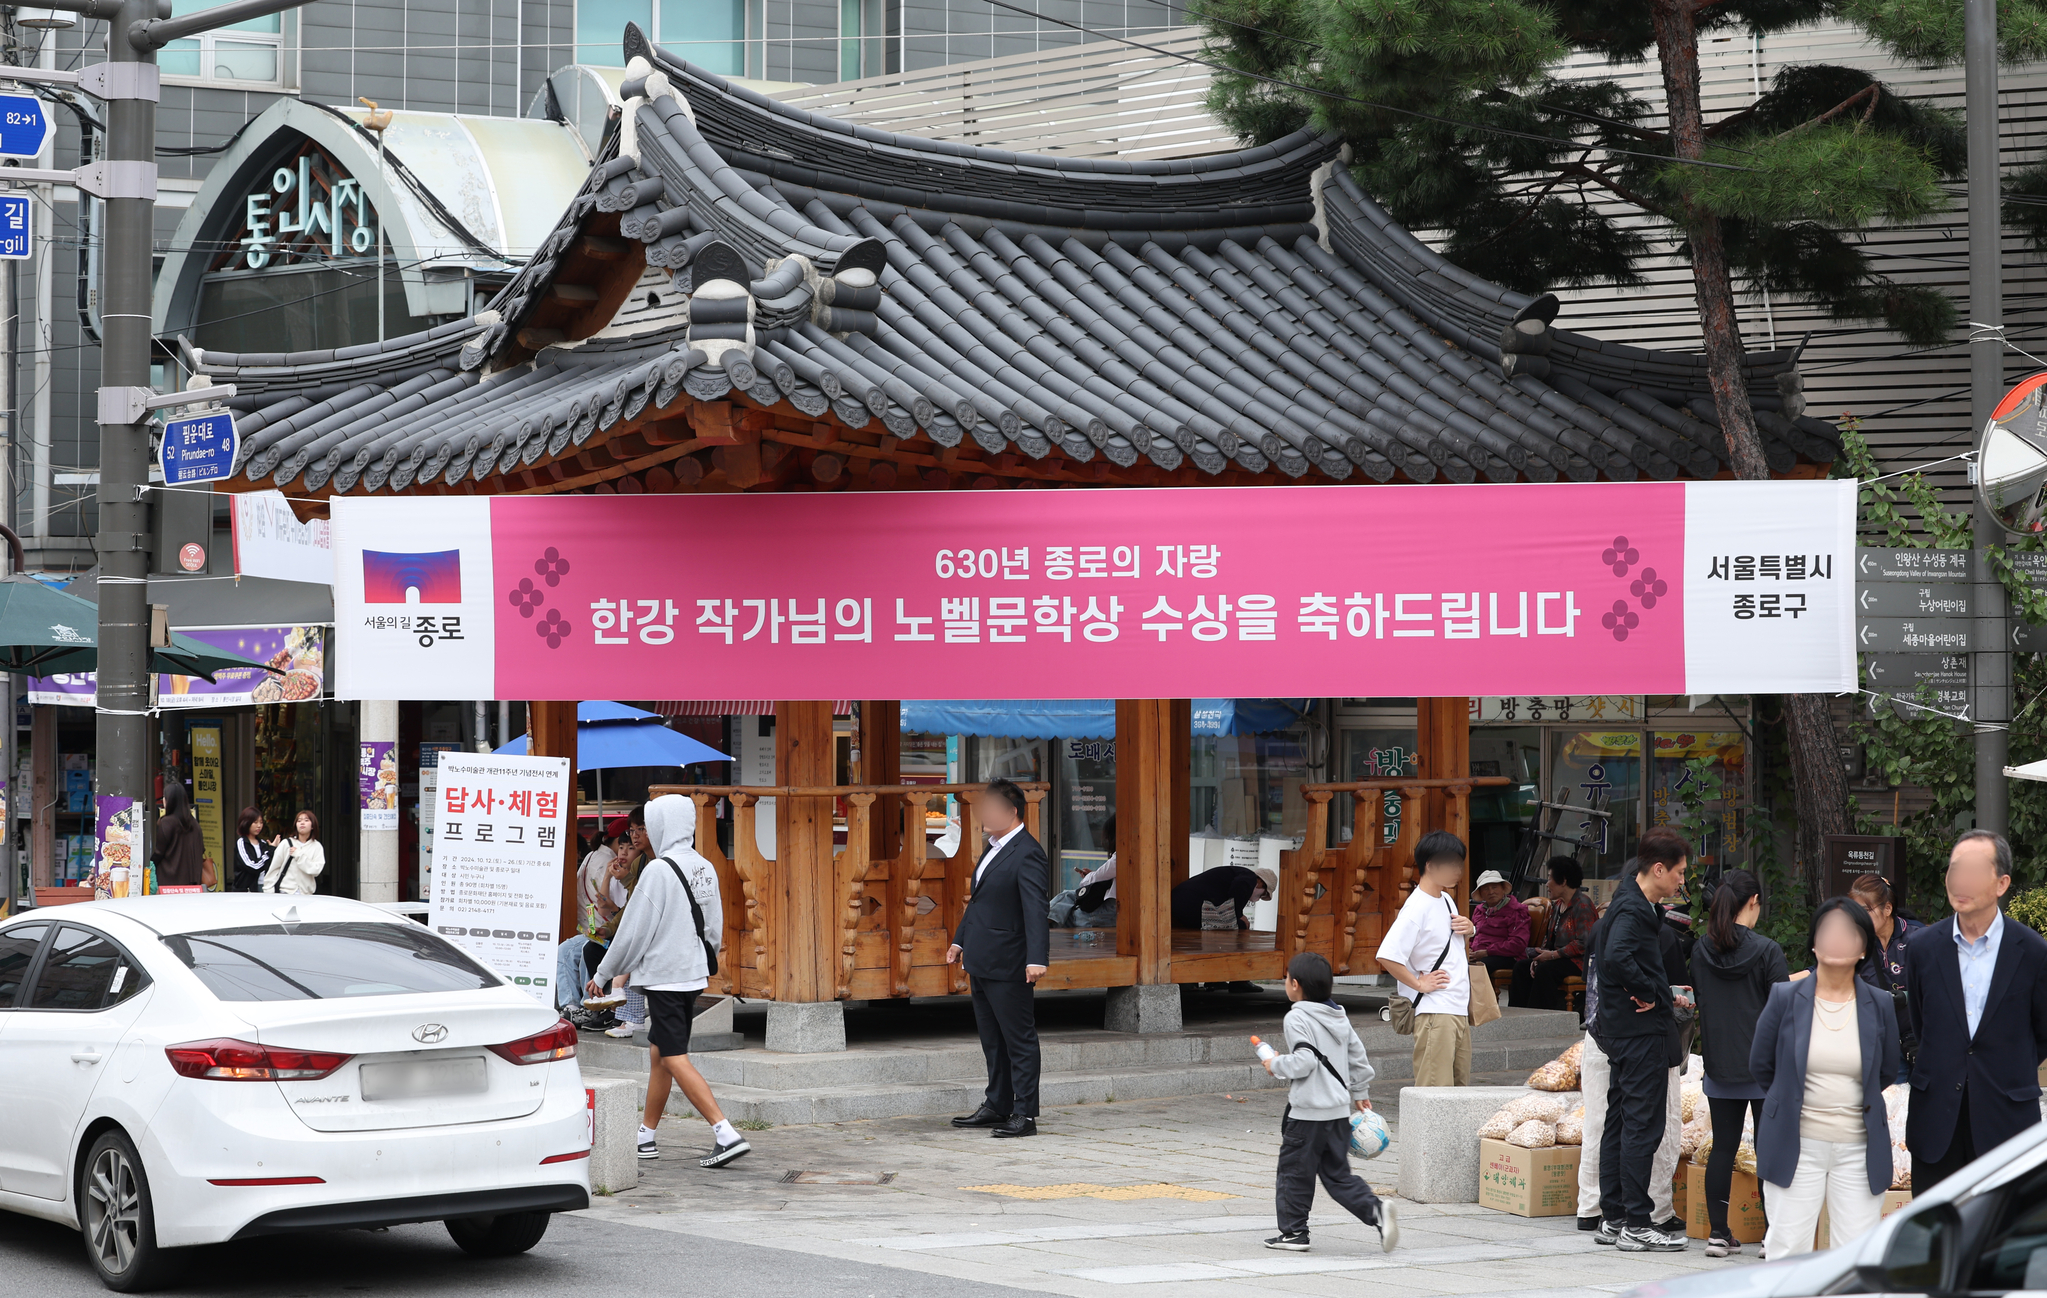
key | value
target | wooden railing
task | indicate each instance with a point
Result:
(1366, 869)
(875, 900)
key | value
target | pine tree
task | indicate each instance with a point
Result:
(1459, 125)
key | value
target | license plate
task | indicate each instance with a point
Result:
(415, 1079)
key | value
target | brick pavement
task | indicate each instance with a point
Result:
(923, 1221)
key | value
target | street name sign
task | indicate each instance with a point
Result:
(2027, 638)
(1912, 599)
(24, 126)
(1912, 634)
(199, 449)
(1884, 563)
(14, 227)
(1895, 678)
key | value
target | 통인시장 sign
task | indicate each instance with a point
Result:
(1437, 591)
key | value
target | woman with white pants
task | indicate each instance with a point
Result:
(1824, 1049)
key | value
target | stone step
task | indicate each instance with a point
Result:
(811, 1089)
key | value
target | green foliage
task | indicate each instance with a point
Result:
(1519, 170)
(2029, 908)
(1929, 32)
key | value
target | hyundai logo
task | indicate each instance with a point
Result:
(428, 1034)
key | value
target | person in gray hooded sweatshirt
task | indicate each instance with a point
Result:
(663, 933)
(1326, 1064)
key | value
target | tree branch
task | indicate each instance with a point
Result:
(1868, 92)
(1601, 179)
(1534, 203)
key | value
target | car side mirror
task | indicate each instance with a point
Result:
(1923, 1254)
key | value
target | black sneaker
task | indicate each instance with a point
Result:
(723, 1154)
(1608, 1232)
(1588, 1223)
(1292, 1241)
(1675, 1226)
(1648, 1239)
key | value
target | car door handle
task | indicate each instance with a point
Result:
(85, 1057)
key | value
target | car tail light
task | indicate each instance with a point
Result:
(228, 1060)
(565, 1158)
(558, 1042)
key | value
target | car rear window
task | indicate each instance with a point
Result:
(330, 961)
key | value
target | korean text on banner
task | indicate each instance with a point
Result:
(271, 542)
(500, 827)
(1557, 589)
(206, 796)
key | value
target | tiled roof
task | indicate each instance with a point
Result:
(1248, 313)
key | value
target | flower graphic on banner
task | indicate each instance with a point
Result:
(526, 598)
(1620, 556)
(1620, 619)
(554, 628)
(1649, 588)
(551, 566)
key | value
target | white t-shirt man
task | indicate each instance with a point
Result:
(1415, 938)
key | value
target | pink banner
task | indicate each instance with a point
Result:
(1319, 591)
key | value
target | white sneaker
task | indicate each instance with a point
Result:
(1389, 1226)
(624, 1029)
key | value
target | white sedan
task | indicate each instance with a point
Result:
(187, 1070)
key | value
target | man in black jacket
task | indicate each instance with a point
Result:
(1977, 985)
(1635, 1029)
(1004, 939)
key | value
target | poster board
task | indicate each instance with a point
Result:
(500, 826)
(207, 807)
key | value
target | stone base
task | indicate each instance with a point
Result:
(1151, 1008)
(806, 1027)
(615, 1155)
(1439, 1139)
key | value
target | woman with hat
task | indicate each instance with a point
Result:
(1502, 920)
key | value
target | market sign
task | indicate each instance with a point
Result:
(311, 211)
(1476, 590)
(297, 652)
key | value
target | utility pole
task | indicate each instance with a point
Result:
(125, 178)
(1992, 632)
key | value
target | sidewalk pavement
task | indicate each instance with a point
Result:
(1033, 1213)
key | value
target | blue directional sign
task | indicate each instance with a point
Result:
(24, 126)
(198, 450)
(14, 226)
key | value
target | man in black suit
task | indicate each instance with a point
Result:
(1977, 983)
(1004, 940)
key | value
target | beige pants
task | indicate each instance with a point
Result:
(1442, 1050)
(1829, 1175)
(1592, 1075)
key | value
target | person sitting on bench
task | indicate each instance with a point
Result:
(1539, 978)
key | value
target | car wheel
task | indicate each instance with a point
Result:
(118, 1219)
(500, 1236)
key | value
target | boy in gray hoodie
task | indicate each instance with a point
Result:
(1326, 1064)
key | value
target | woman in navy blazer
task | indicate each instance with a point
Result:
(1824, 1140)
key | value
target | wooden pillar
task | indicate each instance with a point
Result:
(1182, 736)
(881, 762)
(551, 732)
(1443, 729)
(44, 792)
(806, 905)
(1144, 835)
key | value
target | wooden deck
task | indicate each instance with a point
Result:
(1199, 955)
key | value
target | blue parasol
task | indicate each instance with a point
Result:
(611, 735)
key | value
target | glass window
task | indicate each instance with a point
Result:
(1379, 753)
(2016, 1257)
(300, 310)
(83, 971)
(253, 54)
(1087, 798)
(1599, 768)
(1700, 787)
(709, 33)
(17, 951)
(600, 29)
(324, 961)
(1498, 812)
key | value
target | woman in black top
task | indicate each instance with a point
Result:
(1733, 970)
(180, 855)
(252, 854)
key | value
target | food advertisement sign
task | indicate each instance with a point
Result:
(377, 778)
(119, 858)
(501, 826)
(297, 657)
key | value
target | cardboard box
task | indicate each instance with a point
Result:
(1744, 1205)
(1528, 1182)
(1681, 1190)
(1893, 1200)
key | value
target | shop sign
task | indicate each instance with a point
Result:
(312, 209)
(1584, 709)
(297, 652)
(1324, 592)
(501, 827)
(271, 542)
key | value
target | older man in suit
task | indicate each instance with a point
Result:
(1977, 983)
(1004, 940)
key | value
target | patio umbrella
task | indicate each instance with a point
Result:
(47, 632)
(610, 735)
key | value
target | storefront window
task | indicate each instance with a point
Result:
(1599, 769)
(288, 309)
(1249, 784)
(289, 764)
(1377, 753)
(1087, 798)
(1498, 812)
(1687, 765)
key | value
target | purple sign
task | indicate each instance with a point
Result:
(118, 855)
(299, 652)
(377, 774)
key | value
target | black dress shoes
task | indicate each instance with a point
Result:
(1015, 1126)
(981, 1117)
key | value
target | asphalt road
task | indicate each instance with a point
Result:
(39, 1259)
